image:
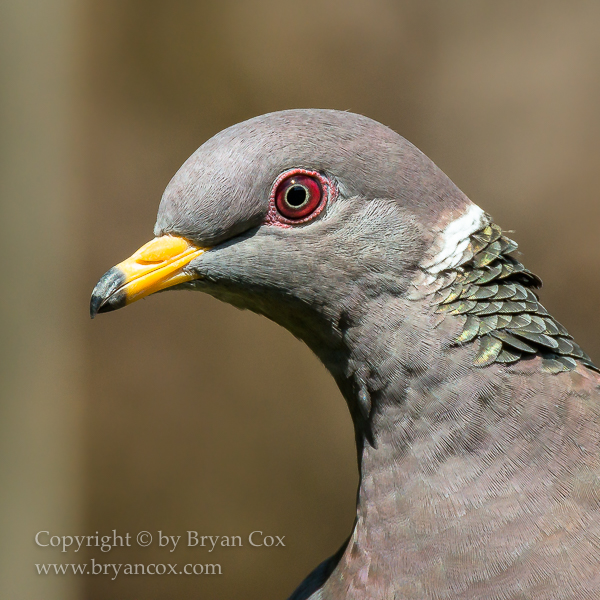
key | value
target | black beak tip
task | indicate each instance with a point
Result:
(95, 303)
(108, 294)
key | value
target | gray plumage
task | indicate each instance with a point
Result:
(477, 417)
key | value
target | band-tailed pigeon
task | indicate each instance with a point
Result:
(477, 416)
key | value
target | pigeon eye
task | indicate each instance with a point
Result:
(298, 196)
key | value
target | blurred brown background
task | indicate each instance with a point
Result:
(178, 413)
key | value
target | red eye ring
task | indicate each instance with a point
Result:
(298, 196)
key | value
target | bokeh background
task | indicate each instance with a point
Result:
(181, 413)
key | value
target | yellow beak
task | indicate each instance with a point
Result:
(157, 265)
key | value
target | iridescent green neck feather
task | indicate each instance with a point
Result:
(494, 294)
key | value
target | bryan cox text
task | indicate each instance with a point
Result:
(256, 539)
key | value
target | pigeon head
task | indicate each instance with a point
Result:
(304, 216)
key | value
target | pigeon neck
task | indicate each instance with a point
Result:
(471, 307)
(391, 351)
(429, 423)
(410, 393)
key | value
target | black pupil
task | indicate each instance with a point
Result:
(296, 196)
